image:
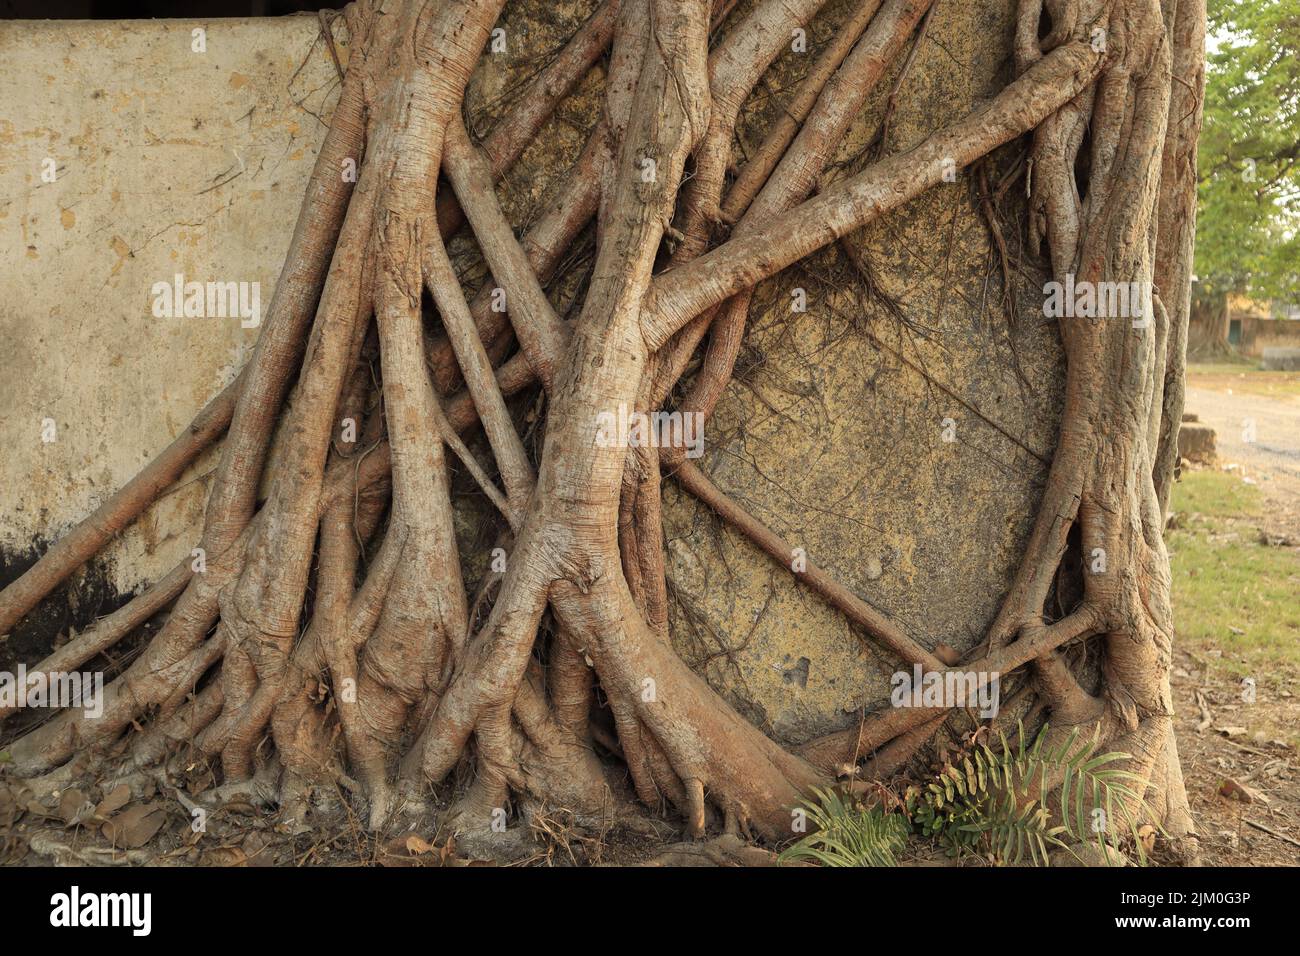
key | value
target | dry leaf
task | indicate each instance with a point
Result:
(74, 807)
(1236, 790)
(39, 810)
(416, 845)
(225, 856)
(135, 826)
(1147, 837)
(11, 808)
(114, 801)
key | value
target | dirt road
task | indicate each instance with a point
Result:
(1258, 432)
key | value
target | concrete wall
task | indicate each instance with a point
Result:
(1259, 334)
(166, 160)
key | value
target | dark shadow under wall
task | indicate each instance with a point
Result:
(72, 606)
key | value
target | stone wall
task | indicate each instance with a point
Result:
(902, 446)
(1258, 334)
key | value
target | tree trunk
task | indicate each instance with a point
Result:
(1207, 326)
(555, 678)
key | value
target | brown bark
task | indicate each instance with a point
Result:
(417, 685)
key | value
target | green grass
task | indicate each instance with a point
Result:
(1226, 580)
(1216, 498)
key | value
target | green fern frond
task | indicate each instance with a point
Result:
(991, 802)
(848, 835)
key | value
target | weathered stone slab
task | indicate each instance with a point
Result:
(908, 461)
(1196, 443)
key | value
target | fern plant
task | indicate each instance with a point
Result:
(993, 802)
(848, 834)
(990, 803)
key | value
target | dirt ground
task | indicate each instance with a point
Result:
(1244, 789)
(1227, 762)
(1225, 741)
(1256, 419)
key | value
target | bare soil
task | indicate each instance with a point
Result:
(1229, 750)
(1222, 739)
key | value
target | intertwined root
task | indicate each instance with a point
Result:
(334, 619)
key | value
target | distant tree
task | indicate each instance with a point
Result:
(1249, 191)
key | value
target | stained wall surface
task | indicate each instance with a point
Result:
(131, 152)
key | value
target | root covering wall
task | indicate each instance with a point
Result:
(898, 430)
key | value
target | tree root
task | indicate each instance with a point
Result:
(328, 639)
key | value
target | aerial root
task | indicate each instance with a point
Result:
(320, 661)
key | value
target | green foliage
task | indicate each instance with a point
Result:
(991, 804)
(847, 834)
(1247, 236)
